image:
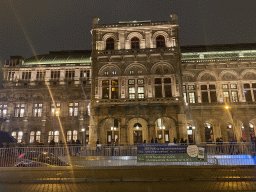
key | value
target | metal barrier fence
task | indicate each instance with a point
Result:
(34, 156)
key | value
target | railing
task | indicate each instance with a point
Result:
(34, 156)
(136, 51)
(218, 60)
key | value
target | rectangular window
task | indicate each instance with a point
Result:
(19, 110)
(247, 86)
(192, 97)
(73, 109)
(213, 96)
(55, 74)
(233, 86)
(26, 75)
(234, 96)
(248, 95)
(131, 82)
(158, 91)
(38, 136)
(140, 92)
(37, 111)
(84, 73)
(205, 97)
(70, 74)
(191, 87)
(40, 75)
(168, 90)
(131, 92)
(185, 97)
(69, 136)
(105, 93)
(55, 111)
(105, 82)
(114, 93)
(225, 86)
(211, 86)
(140, 81)
(114, 82)
(203, 87)
(158, 81)
(167, 80)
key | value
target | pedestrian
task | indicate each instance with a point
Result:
(144, 141)
(174, 140)
(97, 145)
(78, 143)
(152, 140)
(156, 140)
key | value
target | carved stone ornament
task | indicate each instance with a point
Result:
(208, 77)
(250, 75)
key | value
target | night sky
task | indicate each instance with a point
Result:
(29, 27)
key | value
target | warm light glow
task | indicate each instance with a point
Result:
(83, 130)
(193, 127)
(230, 126)
(137, 127)
(112, 128)
(227, 107)
(163, 127)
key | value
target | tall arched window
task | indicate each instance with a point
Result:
(135, 43)
(160, 41)
(110, 43)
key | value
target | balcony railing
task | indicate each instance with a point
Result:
(137, 51)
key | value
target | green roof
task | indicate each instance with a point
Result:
(58, 59)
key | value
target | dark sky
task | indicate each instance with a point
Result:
(29, 27)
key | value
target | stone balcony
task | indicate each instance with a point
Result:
(145, 101)
(136, 51)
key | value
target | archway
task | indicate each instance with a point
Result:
(109, 131)
(165, 130)
(137, 131)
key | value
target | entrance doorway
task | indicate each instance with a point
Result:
(137, 137)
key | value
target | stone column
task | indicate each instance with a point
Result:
(224, 134)
(247, 130)
(123, 133)
(182, 130)
(93, 131)
(151, 132)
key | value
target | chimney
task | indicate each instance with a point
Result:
(95, 21)
(174, 17)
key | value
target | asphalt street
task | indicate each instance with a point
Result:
(146, 178)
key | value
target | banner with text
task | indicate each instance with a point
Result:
(169, 152)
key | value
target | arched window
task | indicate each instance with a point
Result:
(135, 43)
(110, 43)
(160, 41)
(32, 137)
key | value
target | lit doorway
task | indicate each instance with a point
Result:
(137, 137)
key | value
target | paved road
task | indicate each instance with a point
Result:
(148, 178)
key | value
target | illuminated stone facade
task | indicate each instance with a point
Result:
(137, 84)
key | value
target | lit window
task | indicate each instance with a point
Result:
(233, 86)
(192, 97)
(38, 136)
(73, 109)
(141, 92)
(3, 110)
(20, 135)
(38, 110)
(225, 86)
(140, 81)
(32, 137)
(113, 72)
(19, 110)
(131, 72)
(131, 92)
(84, 73)
(55, 111)
(14, 134)
(105, 72)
